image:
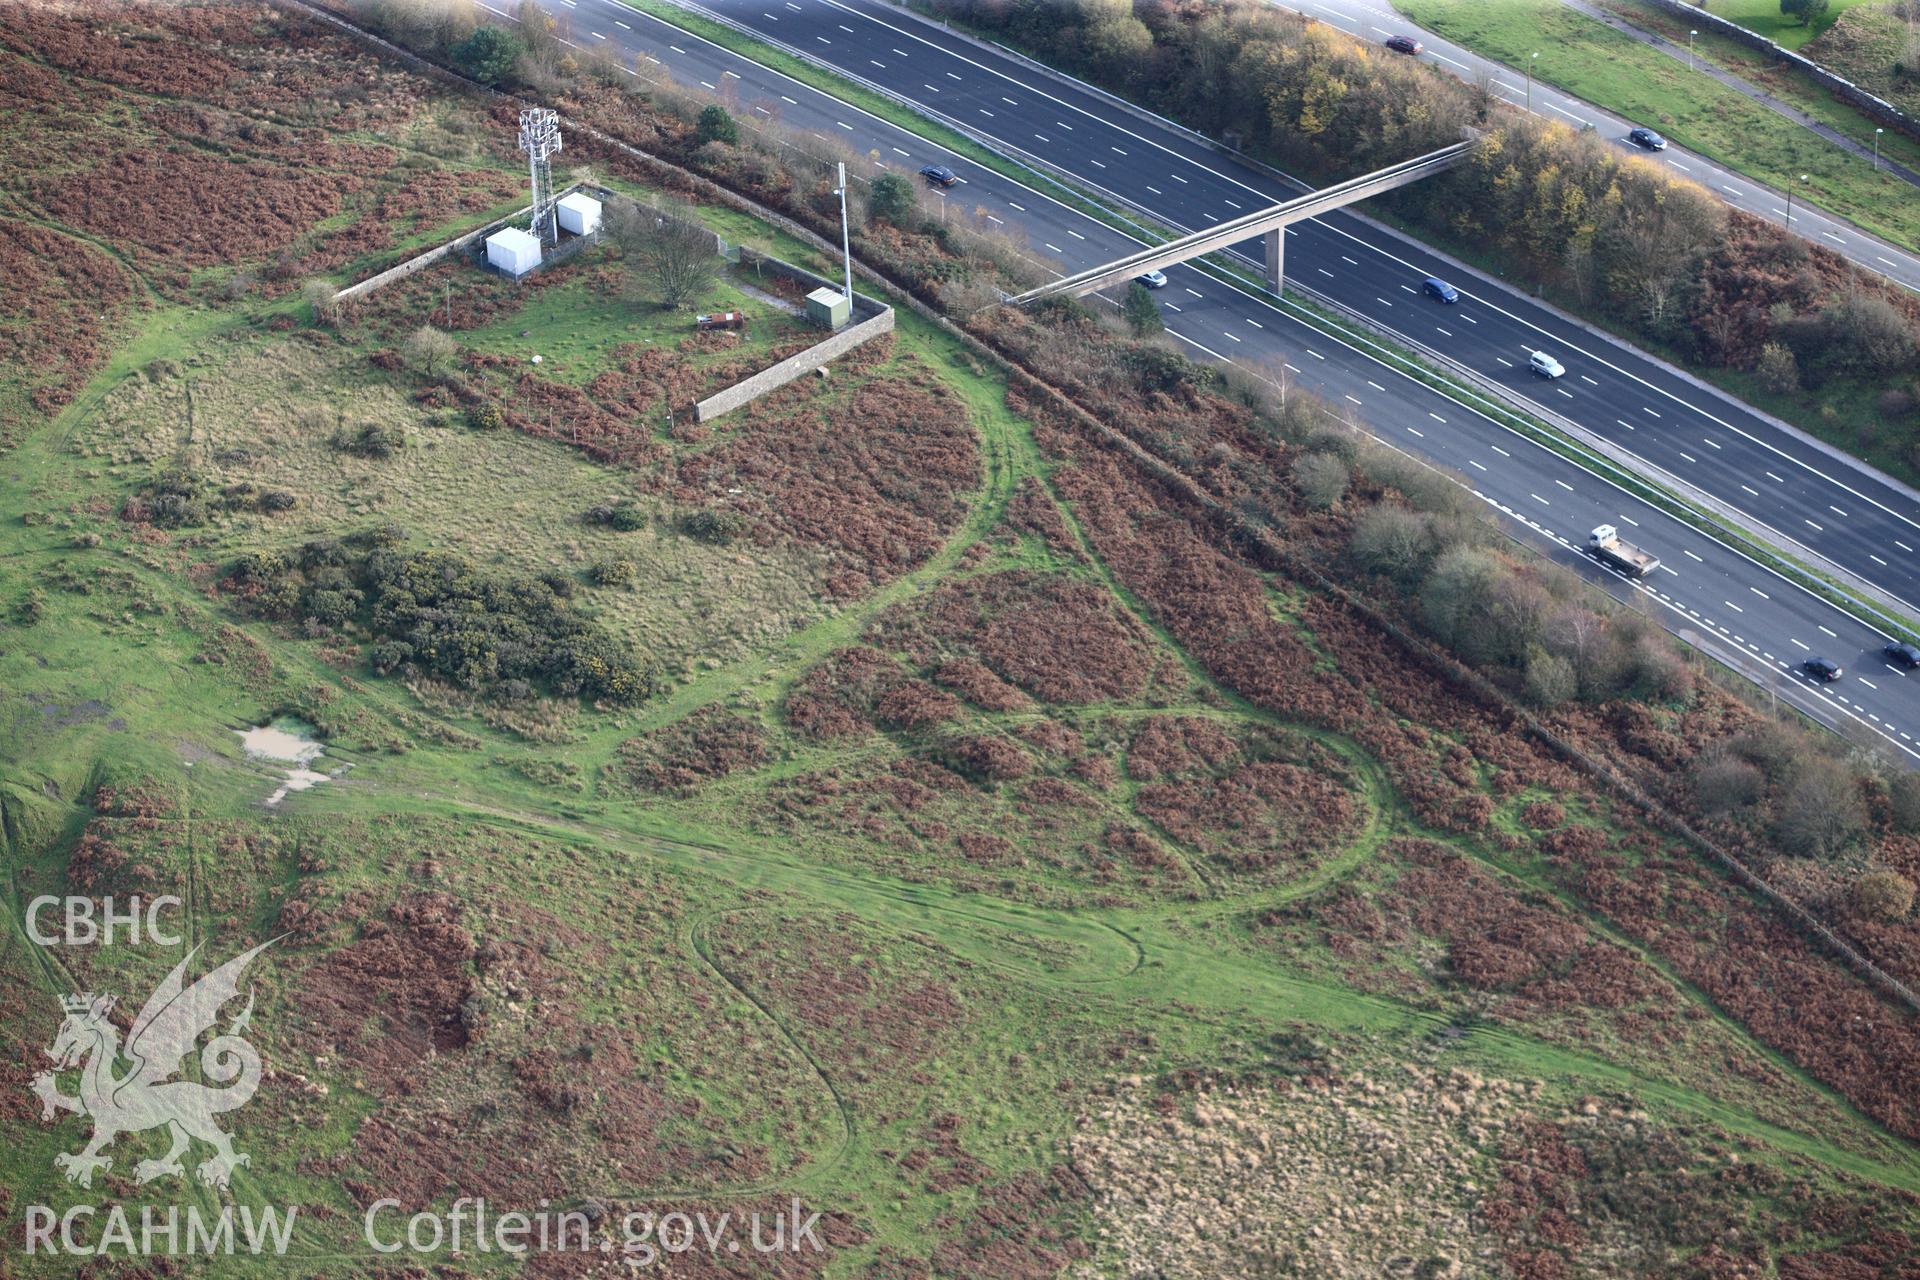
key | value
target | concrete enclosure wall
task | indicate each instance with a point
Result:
(1845, 89)
(871, 319)
(814, 357)
(360, 288)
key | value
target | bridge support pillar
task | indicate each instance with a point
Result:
(1276, 257)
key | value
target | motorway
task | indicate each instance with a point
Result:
(1375, 22)
(1709, 594)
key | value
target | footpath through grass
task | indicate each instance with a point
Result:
(1611, 70)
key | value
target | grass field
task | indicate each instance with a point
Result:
(1592, 61)
(1764, 17)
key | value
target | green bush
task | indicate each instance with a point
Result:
(488, 55)
(717, 528)
(717, 126)
(892, 199)
(614, 573)
(374, 440)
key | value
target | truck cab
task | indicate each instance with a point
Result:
(1605, 545)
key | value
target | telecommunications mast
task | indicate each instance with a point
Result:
(540, 139)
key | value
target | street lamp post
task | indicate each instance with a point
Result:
(1690, 36)
(1803, 178)
(1530, 62)
(1876, 149)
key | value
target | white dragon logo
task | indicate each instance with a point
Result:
(144, 1097)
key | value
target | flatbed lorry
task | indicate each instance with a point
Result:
(1605, 545)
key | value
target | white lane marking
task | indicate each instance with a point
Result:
(1811, 525)
(1831, 633)
(1056, 248)
(1903, 546)
(790, 101)
(1497, 449)
(1757, 591)
(1776, 479)
(1354, 399)
(1376, 386)
(1630, 520)
(1877, 560)
(1255, 323)
(1443, 331)
(1472, 463)
(1564, 485)
(1871, 685)
(897, 151)
(1806, 647)
(1654, 412)
(844, 125)
(1837, 511)
(1423, 435)
(1731, 605)
(1710, 444)
(1689, 555)
(1382, 301)
(1436, 417)
(1689, 457)
(1751, 490)
(1237, 338)
(1537, 498)
(1195, 292)
(1075, 234)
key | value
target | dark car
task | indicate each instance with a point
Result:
(1825, 670)
(1644, 137)
(1440, 289)
(1402, 44)
(1901, 655)
(938, 175)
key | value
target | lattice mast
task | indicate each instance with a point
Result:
(540, 139)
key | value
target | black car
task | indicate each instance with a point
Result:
(1402, 44)
(1645, 137)
(1825, 670)
(938, 175)
(1901, 655)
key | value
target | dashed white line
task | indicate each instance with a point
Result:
(1689, 555)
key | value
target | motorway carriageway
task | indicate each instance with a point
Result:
(1709, 594)
(1853, 516)
(1375, 23)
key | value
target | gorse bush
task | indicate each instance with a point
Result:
(437, 613)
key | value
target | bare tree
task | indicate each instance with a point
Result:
(668, 253)
(1822, 811)
(431, 351)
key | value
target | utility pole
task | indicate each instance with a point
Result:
(1690, 36)
(1876, 149)
(846, 240)
(1803, 178)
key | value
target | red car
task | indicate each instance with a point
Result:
(1402, 44)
